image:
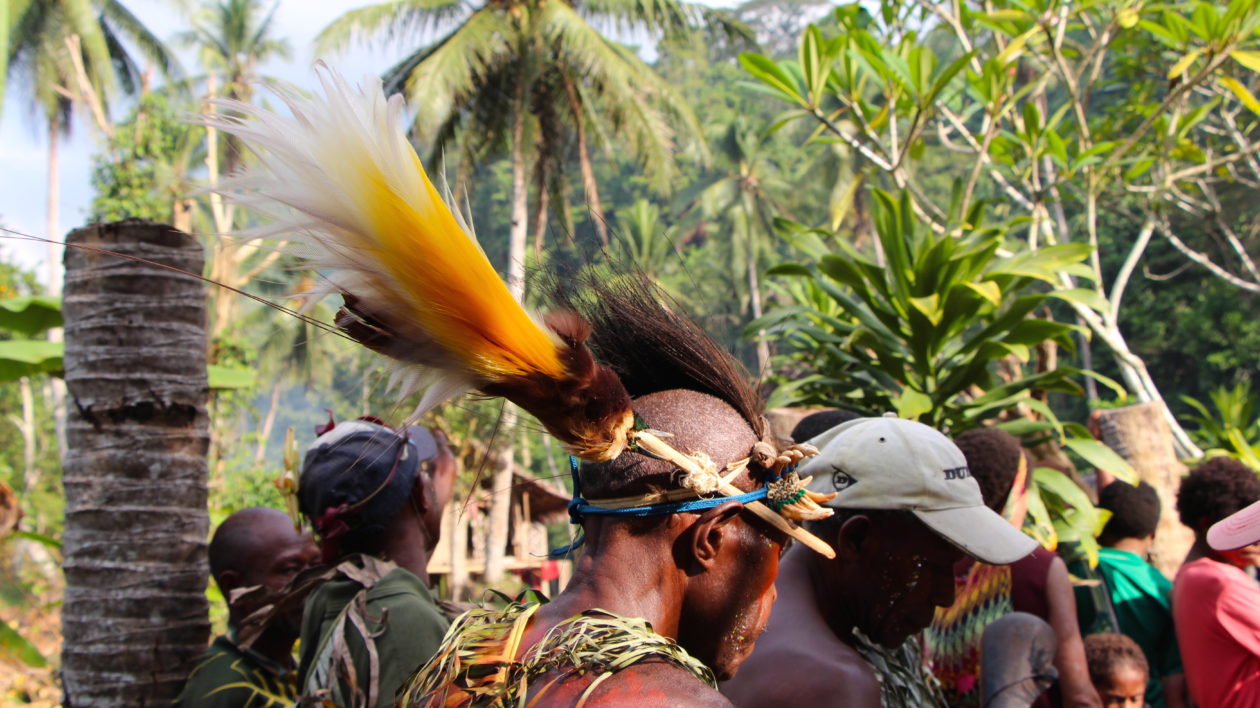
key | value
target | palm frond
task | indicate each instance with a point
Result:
(448, 75)
(11, 14)
(81, 21)
(116, 18)
(394, 20)
(639, 106)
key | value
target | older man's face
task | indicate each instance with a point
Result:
(911, 571)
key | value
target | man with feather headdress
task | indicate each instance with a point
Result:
(685, 500)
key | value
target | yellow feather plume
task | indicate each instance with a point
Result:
(340, 176)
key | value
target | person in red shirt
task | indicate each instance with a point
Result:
(1216, 604)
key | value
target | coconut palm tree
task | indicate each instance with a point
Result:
(524, 72)
(745, 195)
(70, 52)
(232, 38)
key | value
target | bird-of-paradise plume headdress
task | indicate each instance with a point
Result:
(339, 177)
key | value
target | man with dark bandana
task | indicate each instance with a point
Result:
(253, 548)
(375, 497)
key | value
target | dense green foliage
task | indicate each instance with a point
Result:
(143, 170)
(921, 333)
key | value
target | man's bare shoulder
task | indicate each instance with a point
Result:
(816, 673)
(646, 684)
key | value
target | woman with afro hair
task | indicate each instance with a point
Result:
(1216, 604)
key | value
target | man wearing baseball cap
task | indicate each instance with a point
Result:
(375, 497)
(907, 510)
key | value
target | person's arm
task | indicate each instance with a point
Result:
(1074, 682)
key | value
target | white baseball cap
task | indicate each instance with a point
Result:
(892, 463)
(1241, 528)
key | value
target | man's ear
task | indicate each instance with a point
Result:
(228, 581)
(705, 537)
(421, 490)
(853, 537)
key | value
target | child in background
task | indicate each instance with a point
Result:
(1118, 670)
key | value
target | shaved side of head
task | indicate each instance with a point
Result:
(696, 422)
(242, 536)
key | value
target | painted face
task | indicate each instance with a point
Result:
(912, 573)
(1124, 688)
(737, 600)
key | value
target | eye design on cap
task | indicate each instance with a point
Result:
(842, 480)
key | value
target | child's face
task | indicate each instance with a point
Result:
(1125, 688)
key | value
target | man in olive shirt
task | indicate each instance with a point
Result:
(253, 547)
(375, 497)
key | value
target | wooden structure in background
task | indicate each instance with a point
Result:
(460, 555)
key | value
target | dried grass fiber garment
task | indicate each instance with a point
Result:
(479, 664)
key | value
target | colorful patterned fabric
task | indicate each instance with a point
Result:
(905, 681)
(952, 642)
(477, 665)
(231, 677)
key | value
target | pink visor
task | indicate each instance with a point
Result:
(1242, 528)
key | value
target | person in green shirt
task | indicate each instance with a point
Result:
(1140, 596)
(251, 548)
(375, 497)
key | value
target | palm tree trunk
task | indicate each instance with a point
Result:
(56, 390)
(30, 474)
(540, 222)
(501, 482)
(589, 187)
(265, 432)
(53, 227)
(519, 230)
(754, 298)
(135, 617)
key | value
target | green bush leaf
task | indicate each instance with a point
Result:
(31, 315)
(911, 404)
(29, 357)
(1102, 457)
(16, 649)
(229, 377)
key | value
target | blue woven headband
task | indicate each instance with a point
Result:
(580, 507)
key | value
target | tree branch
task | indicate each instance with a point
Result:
(1203, 260)
(1130, 263)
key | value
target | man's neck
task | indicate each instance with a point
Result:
(1201, 550)
(803, 573)
(627, 579)
(1137, 546)
(406, 545)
